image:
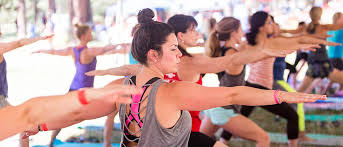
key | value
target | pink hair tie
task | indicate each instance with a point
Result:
(276, 93)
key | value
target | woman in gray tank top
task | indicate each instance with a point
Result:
(159, 116)
(222, 41)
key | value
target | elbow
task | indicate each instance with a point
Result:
(235, 95)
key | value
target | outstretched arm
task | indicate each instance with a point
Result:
(61, 52)
(201, 98)
(296, 43)
(27, 116)
(124, 70)
(6, 47)
(109, 49)
(330, 27)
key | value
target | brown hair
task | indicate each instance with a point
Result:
(222, 32)
(150, 35)
(336, 16)
(81, 30)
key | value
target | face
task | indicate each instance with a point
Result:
(268, 26)
(88, 36)
(340, 20)
(237, 35)
(191, 36)
(276, 29)
(302, 27)
(169, 60)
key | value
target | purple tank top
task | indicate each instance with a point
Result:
(3, 79)
(80, 79)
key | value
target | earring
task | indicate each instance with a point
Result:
(182, 41)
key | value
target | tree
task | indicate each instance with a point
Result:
(51, 8)
(21, 19)
(82, 12)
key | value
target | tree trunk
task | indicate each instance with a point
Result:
(35, 9)
(71, 20)
(21, 19)
(82, 11)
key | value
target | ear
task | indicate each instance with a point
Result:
(180, 36)
(153, 55)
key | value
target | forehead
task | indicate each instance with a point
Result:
(171, 39)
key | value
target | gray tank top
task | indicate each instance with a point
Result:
(152, 133)
(227, 80)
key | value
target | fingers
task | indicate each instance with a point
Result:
(90, 73)
(301, 97)
(49, 36)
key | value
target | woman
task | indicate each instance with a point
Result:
(223, 41)
(84, 58)
(32, 115)
(335, 53)
(318, 61)
(261, 75)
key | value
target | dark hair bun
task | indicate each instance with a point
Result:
(145, 16)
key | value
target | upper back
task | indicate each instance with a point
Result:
(261, 72)
(150, 126)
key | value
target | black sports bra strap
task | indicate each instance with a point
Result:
(225, 49)
(147, 84)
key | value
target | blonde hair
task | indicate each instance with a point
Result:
(81, 30)
(222, 32)
(336, 17)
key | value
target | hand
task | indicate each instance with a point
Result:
(294, 97)
(95, 73)
(28, 134)
(110, 47)
(47, 37)
(313, 40)
(36, 52)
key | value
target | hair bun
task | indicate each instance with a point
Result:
(145, 16)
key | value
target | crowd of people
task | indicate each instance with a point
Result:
(162, 95)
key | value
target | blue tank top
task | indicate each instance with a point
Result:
(279, 68)
(80, 79)
(3, 79)
(335, 51)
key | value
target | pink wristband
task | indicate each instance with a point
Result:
(276, 93)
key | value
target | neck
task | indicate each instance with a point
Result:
(261, 36)
(181, 44)
(83, 43)
(230, 43)
(149, 72)
(315, 21)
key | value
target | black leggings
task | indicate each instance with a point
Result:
(198, 139)
(284, 110)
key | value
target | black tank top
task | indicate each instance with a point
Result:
(227, 80)
(320, 55)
